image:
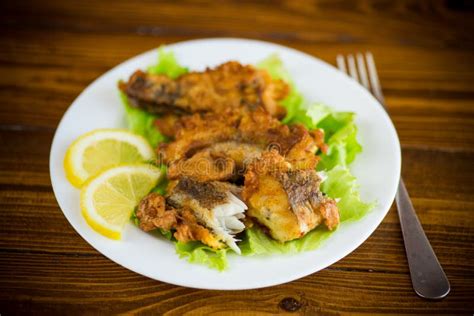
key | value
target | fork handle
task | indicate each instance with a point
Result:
(427, 276)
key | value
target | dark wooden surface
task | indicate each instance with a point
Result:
(51, 50)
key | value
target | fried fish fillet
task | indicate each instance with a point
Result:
(209, 212)
(220, 161)
(214, 204)
(153, 213)
(286, 200)
(230, 85)
(219, 147)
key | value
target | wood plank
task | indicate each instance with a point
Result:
(324, 21)
(50, 283)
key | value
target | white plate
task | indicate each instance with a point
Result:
(377, 168)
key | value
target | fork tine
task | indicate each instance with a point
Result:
(352, 67)
(341, 64)
(362, 72)
(374, 78)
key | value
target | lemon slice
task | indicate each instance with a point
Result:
(101, 149)
(108, 199)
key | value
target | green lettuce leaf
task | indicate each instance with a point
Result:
(141, 122)
(196, 252)
(134, 218)
(342, 185)
(339, 127)
(256, 242)
(341, 137)
(167, 65)
(163, 184)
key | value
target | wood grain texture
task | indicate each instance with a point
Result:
(51, 50)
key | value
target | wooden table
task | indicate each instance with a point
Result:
(51, 50)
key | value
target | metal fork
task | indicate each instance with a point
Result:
(427, 276)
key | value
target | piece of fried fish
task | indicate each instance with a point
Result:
(210, 212)
(230, 85)
(286, 200)
(219, 147)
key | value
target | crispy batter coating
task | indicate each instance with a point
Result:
(286, 200)
(302, 150)
(205, 165)
(221, 161)
(190, 229)
(207, 194)
(198, 132)
(153, 213)
(214, 204)
(168, 124)
(206, 145)
(230, 85)
(190, 211)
